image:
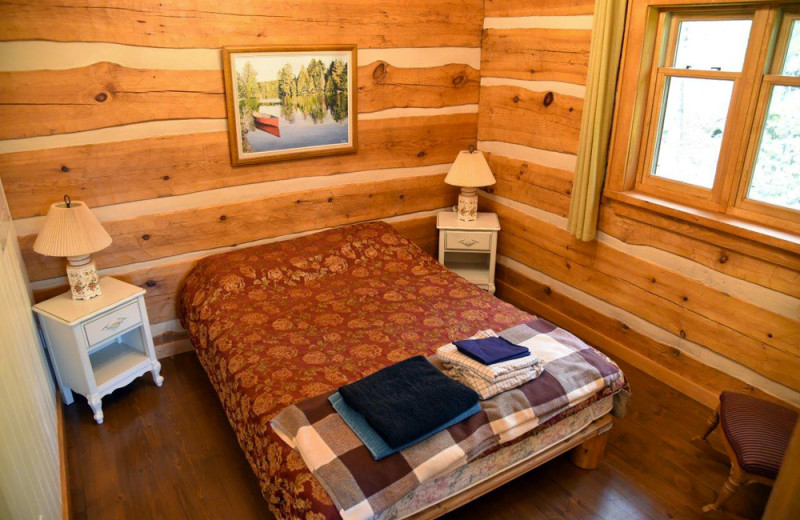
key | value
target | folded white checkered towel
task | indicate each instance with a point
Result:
(488, 380)
(486, 389)
(450, 356)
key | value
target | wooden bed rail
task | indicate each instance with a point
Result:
(588, 446)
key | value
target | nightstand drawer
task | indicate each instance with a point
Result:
(110, 323)
(468, 240)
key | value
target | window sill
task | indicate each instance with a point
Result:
(705, 220)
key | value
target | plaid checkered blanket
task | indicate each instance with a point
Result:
(361, 487)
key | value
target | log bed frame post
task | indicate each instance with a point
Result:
(589, 454)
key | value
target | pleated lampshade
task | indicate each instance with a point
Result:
(470, 170)
(71, 230)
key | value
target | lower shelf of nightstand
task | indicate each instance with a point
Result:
(115, 361)
(475, 273)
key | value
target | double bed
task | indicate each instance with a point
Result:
(279, 323)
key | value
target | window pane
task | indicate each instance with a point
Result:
(712, 44)
(691, 130)
(776, 176)
(791, 65)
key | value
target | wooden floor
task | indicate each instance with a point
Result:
(169, 453)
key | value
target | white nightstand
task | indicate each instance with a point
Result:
(469, 248)
(99, 345)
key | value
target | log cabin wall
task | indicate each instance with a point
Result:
(701, 315)
(122, 106)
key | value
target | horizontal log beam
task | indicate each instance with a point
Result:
(759, 339)
(46, 102)
(163, 282)
(776, 254)
(35, 103)
(210, 24)
(530, 183)
(542, 120)
(538, 8)
(617, 339)
(168, 234)
(765, 266)
(536, 54)
(382, 86)
(112, 173)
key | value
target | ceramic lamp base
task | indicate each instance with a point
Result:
(82, 275)
(468, 204)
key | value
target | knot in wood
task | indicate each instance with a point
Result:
(379, 72)
(515, 99)
(421, 154)
(145, 237)
(548, 99)
(64, 169)
(101, 97)
(165, 178)
(223, 218)
(150, 283)
(548, 291)
(723, 259)
(459, 80)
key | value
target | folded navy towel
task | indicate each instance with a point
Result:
(374, 443)
(491, 350)
(406, 400)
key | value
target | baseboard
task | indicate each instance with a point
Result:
(664, 362)
(172, 348)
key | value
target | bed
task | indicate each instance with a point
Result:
(279, 323)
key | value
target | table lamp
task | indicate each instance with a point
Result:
(70, 230)
(470, 171)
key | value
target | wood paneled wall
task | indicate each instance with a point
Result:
(702, 315)
(29, 452)
(123, 107)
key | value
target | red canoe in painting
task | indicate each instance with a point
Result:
(266, 119)
(267, 123)
(274, 130)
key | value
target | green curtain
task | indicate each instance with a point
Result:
(598, 111)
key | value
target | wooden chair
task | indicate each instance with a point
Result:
(755, 434)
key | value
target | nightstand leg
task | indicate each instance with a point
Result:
(66, 395)
(157, 378)
(97, 407)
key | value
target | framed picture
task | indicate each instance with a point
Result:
(290, 102)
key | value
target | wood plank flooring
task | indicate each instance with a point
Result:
(169, 453)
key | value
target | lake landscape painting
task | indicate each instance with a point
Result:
(290, 102)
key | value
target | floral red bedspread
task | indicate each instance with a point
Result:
(278, 323)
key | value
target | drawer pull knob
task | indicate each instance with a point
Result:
(469, 243)
(116, 323)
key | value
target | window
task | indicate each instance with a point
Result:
(718, 126)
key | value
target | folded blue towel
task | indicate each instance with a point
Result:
(491, 350)
(374, 443)
(407, 400)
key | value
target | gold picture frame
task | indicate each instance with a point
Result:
(290, 102)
